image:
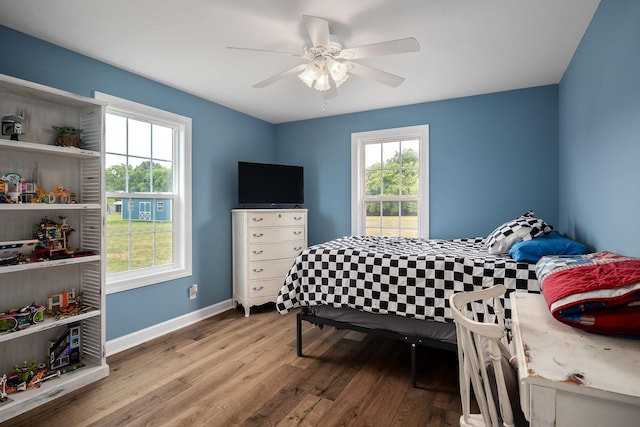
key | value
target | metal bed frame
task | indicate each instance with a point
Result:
(413, 340)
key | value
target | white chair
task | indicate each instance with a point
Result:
(484, 358)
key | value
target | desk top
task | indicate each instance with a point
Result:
(556, 355)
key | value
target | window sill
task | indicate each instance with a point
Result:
(142, 278)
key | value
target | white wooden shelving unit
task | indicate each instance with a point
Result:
(80, 171)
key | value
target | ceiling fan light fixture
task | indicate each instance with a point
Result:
(322, 83)
(311, 73)
(338, 70)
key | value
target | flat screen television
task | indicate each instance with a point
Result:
(270, 185)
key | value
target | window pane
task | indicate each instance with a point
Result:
(372, 156)
(140, 175)
(390, 232)
(390, 214)
(139, 138)
(373, 184)
(391, 182)
(410, 182)
(116, 172)
(405, 232)
(162, 142)
(409, 214)
(116, 134)
(162, 177)
(390, 152)
(118, 244)
(410, 151)
(141, 247)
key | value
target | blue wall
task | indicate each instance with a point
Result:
(599, 132)
(491, 158)
(221, 137)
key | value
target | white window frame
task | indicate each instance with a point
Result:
(182, 231)
(358, 141)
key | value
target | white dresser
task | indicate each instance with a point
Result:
(265, 244)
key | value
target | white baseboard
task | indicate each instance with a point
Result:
(117, 345)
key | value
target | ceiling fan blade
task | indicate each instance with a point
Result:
(275, 78)
(318, 29)
(263, 50)
(361, 70)
(384, 48)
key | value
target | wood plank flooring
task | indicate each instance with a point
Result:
(229, 370)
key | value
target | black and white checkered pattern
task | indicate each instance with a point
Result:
(402, 276)
(525, 227)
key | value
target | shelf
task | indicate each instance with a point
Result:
(25, 400)
(49, 323)
(82, 170)
(48, 206)
(48, 264)
(32, 147)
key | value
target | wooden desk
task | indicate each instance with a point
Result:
(569, 377)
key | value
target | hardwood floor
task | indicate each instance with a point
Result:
(230, 370)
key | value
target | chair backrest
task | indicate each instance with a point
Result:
(482, 349)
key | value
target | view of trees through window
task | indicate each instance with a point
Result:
(140, 177)
(392, 188)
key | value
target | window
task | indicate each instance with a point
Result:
(390, 182)
(148, 192)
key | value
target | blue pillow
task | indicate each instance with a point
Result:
(548, 244)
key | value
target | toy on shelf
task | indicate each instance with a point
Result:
(13, 125)
(25, 377)
(65, 351)
(68, 137)
(53, 237)
(53, 241)
(17, 319)
(61, 195)
(66, 303)
(14, 188)
(11, 187)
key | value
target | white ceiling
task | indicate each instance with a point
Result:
(468, 47)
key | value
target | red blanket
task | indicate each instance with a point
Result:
(598, 292)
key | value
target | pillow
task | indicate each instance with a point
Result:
(525, 227)
(548, 244)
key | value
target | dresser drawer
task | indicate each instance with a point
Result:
(265, 288)
(276, 234)
(269, 269)
(261, 252)
(270, 219)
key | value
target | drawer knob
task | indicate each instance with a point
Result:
(258, 270)
(297, 233)
(258, 288)
(257, 252)
(297, 218)
(257, 219)
(257, 234)
(297, 248)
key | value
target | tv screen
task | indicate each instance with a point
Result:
(264, 184)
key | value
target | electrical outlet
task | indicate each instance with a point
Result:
(193, 291)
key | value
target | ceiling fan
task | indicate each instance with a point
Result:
(329, 64)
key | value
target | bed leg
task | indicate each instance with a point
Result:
(299, 335)
(413, 365)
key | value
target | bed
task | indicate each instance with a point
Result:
(396, 287)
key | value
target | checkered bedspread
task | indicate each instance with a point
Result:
(402, 276)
